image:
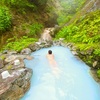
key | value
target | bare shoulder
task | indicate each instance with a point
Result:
(51, 56)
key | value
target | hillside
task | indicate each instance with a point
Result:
(84, 32)
(29, 18)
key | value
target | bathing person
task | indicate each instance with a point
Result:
(51, 59)
(56, 71)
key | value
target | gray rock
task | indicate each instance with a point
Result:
(46, 37)
(34, 47)
(1, 63)
(11, 52)
(10, 58)
(5, 51)
(11, 65)
(26, 51)
(29, 57)
(1, 70)
(13, 88)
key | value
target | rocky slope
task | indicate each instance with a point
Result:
(90, 5)
(14, 77)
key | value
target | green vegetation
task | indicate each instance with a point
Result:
(20, 6)
(85, 30)
(41, 2)
(70, 8)
(17, 3)
(21, 18)
(18, 44)
(98, 73)
(34, 29)
(85, 33)
(63, 18)
(5, 19)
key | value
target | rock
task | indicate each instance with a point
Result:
(34, 47)
(29, 57)
(10, 58)
(46, 36)
(58, 42)
(1, 70)
(73, 48)
(11, 52)
(3, 56)
(61, 39)
(1, 63)
(95, 64)
(3, 87)
(45, 44)
(38, 43)
(17, 62)
(83, 53)
(51, 31)
(93, 72)
(21, 56)
(14, 88)
(5, 51)
(90, 51)
(5, 74)
(26, 51)
(74, 53)
(14, 66)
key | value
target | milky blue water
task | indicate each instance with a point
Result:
(71, 82)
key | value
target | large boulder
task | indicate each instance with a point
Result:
(34, 46)
(26, 51)
(14, 87)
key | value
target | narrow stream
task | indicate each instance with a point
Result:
(72, 82)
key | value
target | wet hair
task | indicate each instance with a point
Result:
(49, 52)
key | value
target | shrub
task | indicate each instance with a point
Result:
(98, 73)
(63, 18)
(35, 28)
(84, 31)
(5, 19)
(18, 44)
(18, 3)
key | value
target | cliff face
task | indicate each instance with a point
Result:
(90, 5)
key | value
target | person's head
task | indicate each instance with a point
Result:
(49, 52)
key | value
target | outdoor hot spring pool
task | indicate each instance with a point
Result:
(72, 82)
